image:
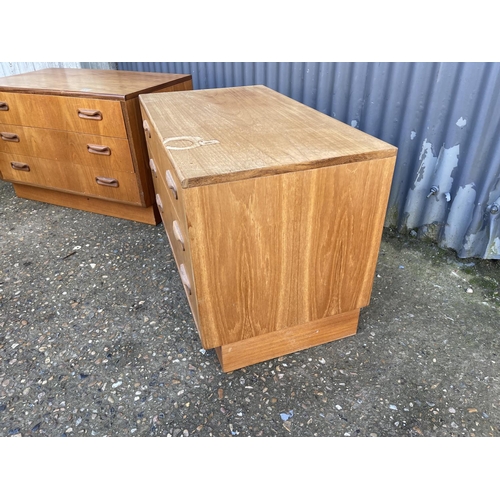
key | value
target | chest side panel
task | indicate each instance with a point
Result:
(272, 252)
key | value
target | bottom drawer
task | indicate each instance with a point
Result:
(63, 176)
(178, 239)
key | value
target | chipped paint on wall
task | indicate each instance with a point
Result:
(427, 199)
(460, 216)
(494, 250)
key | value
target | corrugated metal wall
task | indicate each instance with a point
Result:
(443, 117)
(15, 68)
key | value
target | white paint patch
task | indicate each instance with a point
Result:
(354, 123)
(413, 134)
(461, 122)
(495, 247)
(432, 171)
(457, 223)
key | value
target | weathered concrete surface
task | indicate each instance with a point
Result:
(96, 339)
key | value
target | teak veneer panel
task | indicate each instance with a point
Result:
(48, 111)
(60, 145)
(258, 132)
(69, 177)
(273, 252)
(272, 345)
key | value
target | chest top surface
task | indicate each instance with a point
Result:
(89, 82)
(220, 135)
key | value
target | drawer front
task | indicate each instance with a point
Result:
(93, 150)
(69, 177)
(160, 185)
(179, 242)
(87, 116)
(164, 167)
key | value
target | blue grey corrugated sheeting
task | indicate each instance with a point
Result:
(443, 117)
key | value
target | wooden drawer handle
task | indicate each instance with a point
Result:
(96, 149)
(159, 203)
(7, 136)
(152, 166)
(107, 181)
(4, 106)
(184, 278)
(178, 234)
(171, 183)
(16, 165)
(145, 126)
(89, 114)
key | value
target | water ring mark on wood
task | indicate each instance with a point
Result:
(187, 142)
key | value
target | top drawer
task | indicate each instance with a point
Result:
(88, 116)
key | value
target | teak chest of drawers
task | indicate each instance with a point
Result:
(73, 137)
(274, 213)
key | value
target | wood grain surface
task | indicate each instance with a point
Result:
(61, 145)
(258, 132)
(61, 113)
(275, 344)
(110, 84)
(66, 176)
(182, 253)
(273, 252)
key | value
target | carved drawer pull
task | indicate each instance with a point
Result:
(178, 234)
(171, 183)
(17, 165)
(89, 114)
(152, 166)
(4, 106)
(145, 126)
(106, 181)
(96, 149)
(184, 278)
(159, 203)
(7, 136)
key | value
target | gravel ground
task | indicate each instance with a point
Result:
(97, 339)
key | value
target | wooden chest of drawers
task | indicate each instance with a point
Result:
(73, 137)
(274, 212)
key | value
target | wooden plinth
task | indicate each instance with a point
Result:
(272, 345)
(146, 215)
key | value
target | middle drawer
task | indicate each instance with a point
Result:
(59, 145)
